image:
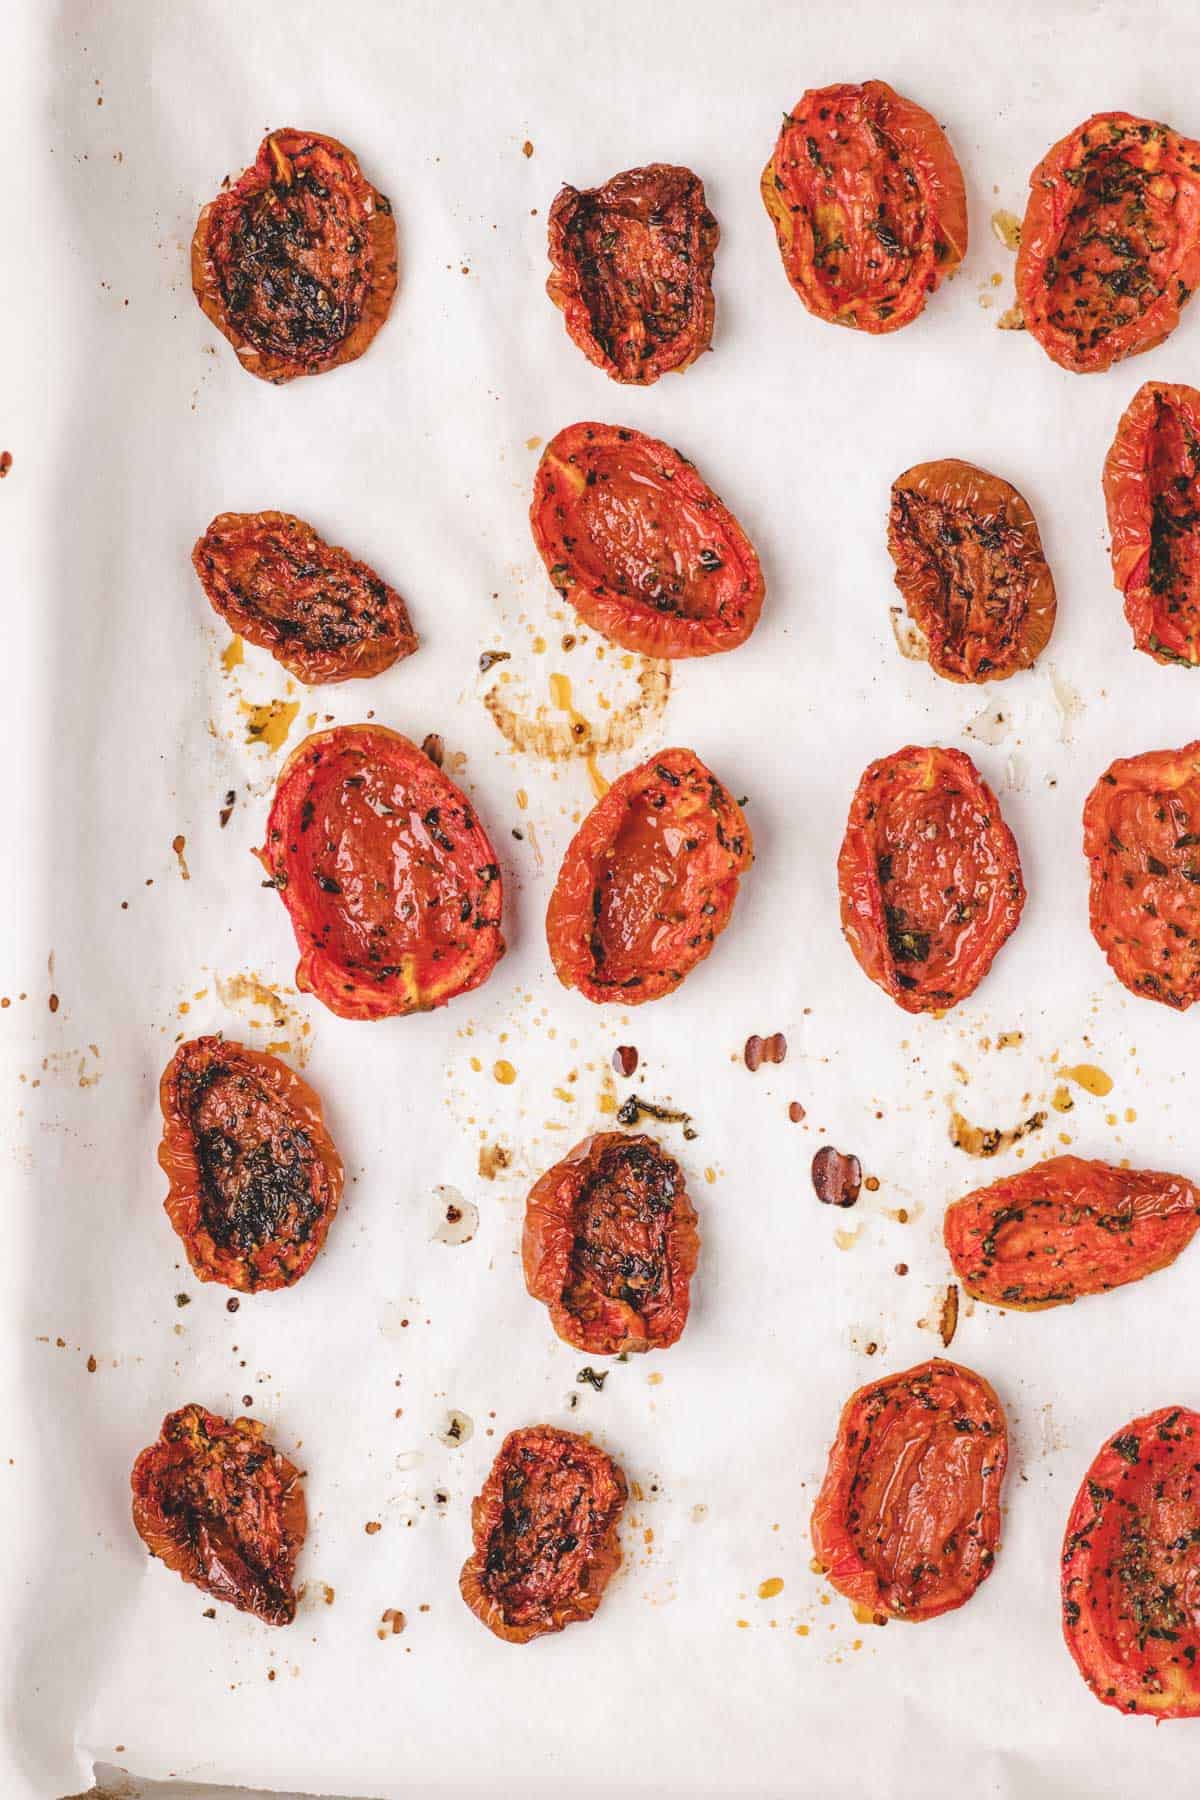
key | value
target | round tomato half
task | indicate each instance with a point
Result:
(545, 1534)
(648, 882)
(1110, 246)
(970, 565)
(1152, 494)
(215, 1501)
(929, 877)
(1067, 1227)
(631, 268)
(1131, 1568)
(1141, 836)
(254, 1176)
(296, 262)
(389, 879)
(321, 613)
(640, 546)
(868, 205)
(907, 1521)
(610, 1245)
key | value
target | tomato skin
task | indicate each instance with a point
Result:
(907, 1521)
(1141, 836)
(868, 204)
(1065, 1228)
(925, 825)
(1110, 244)
(245, 1222)
(319, 611)
(551, 1489)
(635, 907)
(215, 1501)
(610, 1245)
(296, 262)
(614, 516)
(631, 269)
(1131, 1568)
(1152, 493)
(396, 840)
(970, 565)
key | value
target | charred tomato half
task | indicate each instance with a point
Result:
(640, 546)
(1152, 493)
(218, 1504)
(648, 881)
(545, 1534)
(389, 879)
(296, 262)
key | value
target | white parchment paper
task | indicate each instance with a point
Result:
(131, 424)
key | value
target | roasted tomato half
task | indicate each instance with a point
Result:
(255, 1179)
(390, 881)
(908, 1518)
(632, 271)
(1131, 1568)
(220, 1505)
(610, 1245)
(640, 546)
(296, 262)
(321, 613)
(868, 205)
(1152, 493)
(648, 882)
(970, 566)
(1141, 836)
(545, 1533)
(929, 876)
(1110, 246)
(1067, 1227)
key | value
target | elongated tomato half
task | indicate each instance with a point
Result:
(640, 546)
(545, 1534)
(610, 1245)
(970, 565)
(1152, 493)
(219, 1504)
(1131, 1568)
(929, 877)
(1067, 1227)
(868, 204)
(907, 1521)
(321, 613)
(648, 882)
(1110, 246)
(389, 879)
(1141, 836)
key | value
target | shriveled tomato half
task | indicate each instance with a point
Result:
(929, 877)
(648, 882)
(319, 611)
(1141, 836)
(1067, 1227)
(254, 1176)
(610, 1245)
(1131, 1568)
(296, 262)
(640, 545)
(1110, 246)
(389, 879)
(631, 268)
(907, 1521)
(215, 1501)
(545, 1534)
(970, 565)
(868, 205)
(1152, 493)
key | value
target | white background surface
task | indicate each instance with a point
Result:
(131, 424)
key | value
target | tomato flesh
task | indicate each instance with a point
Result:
(1152, 493)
